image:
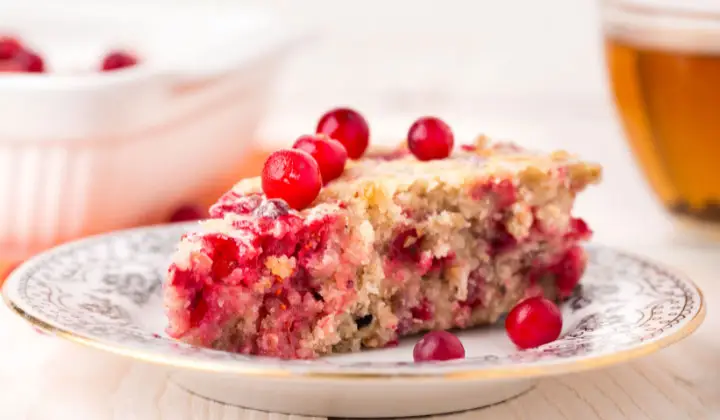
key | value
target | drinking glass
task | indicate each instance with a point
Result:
(663, 62)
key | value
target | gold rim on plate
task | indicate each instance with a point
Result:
(486, 373)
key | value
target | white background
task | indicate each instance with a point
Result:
(532, 71)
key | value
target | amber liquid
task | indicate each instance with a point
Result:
(669, 104)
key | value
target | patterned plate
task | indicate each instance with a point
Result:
(105, 292)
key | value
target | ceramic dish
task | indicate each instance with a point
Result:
(104, 292)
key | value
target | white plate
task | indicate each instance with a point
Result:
(104, 291)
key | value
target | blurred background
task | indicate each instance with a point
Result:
(533, 72)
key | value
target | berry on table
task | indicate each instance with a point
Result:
(348, 127)
(438, 346)
(430, 138)
(292, 175)
(9, 47)
(118, 60)
(188, 213)
(29, 62)
(329, 154)
(533, 322)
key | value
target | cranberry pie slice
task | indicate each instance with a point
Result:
(393, 247)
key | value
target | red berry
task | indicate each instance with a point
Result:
(30, 62)
(430, 138)
(330, 154)
(438, 345)
(10, 66)
(292, 175)
(348, 127)
(118, 60)
(188, 213)
(569, 270)
(578, 229)
(424, 311)
(533, 322)
(9, 47)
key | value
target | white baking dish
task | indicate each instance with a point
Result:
(83, 151)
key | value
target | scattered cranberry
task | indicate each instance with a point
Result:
(9, 47)
(533, 322)
(430, 138)
(438, 345)
(30, 62)
(348, 127)
(330, 154)
(292, 175)
(118, 60)
(188, 213)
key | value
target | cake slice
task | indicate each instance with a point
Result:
(393, 247)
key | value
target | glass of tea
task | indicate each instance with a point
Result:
(663, 59)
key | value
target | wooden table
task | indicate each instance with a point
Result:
(45, 378)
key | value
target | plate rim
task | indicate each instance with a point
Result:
(519, 371)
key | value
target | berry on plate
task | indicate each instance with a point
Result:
(330, 154)
(348, 127)
(533, 322)
(438, 346)
(292, 175)
(429, 138)
(117, 60)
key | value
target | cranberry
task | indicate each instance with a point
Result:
(438, 345)
(405, 246)
(292, 175)
(10, 66)
(330, 154)
(348, 127)
(118, 60)
(502, 240)
(533, 322)
(578, 229)
(424, 311)
(224, 253)
(187, 213)
(9, 47)
(569, 270)
(232, 202)
(30, 62)
(430, 138)
(505, 193)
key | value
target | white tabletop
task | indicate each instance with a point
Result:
(44, 378)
